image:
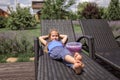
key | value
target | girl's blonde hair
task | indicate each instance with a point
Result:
(50, 31)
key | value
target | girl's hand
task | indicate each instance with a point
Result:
(64, 38)
(43, 39)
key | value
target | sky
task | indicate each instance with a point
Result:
(24, 3)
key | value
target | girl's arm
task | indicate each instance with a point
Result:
(43, 39)
(64, 38)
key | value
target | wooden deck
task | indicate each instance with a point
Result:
(25, 71)
(17, 71)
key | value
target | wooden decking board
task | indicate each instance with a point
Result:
(17, 71)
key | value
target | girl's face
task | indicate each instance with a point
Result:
(54, 35)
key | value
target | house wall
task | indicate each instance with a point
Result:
(3, 13)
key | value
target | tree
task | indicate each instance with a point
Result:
(103, 12)
(56, 9)
(91, 11)
(114, 10)
(80, 8)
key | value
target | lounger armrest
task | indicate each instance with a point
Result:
(36, 51)
(117, 37)
(118, 40)
(36, 47)
(90, 41)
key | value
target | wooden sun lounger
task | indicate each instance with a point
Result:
(105, 46)
(48, 69)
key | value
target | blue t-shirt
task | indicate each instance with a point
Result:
(54, 44)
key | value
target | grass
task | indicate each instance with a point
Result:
(25, 57)
(4, 29)
(3, 58)
(77, 29)
(22, 57)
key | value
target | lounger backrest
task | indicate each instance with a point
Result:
(102, 33)
(63, 26)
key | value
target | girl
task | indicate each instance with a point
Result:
(56, 50)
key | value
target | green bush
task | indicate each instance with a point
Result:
(20, 19)
(2, 22)
(14, 45)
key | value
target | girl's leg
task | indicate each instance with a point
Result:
(76, 61)
(77, 64)
(78, 57)
(69, 59)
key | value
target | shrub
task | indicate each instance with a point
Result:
(14, 44)
(2, 22)
(20, 19)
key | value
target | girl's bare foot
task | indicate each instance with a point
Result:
(77, 56)
(82, 65)
(77, 68)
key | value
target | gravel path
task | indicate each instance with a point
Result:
(17, 71)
